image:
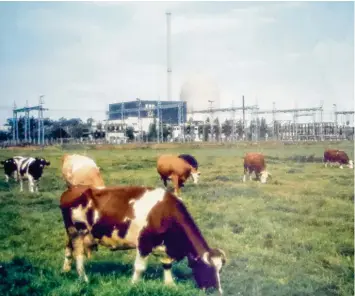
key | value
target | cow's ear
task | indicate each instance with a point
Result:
(2, 162)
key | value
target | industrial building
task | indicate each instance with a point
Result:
(139, 114)
(148, 109)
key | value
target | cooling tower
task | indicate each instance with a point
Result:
(198, 90)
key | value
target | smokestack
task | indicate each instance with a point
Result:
(168, 54)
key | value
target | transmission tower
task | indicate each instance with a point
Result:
(211, 112)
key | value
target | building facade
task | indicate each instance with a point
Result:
(148, 109)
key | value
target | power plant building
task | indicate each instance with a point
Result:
(169, 110)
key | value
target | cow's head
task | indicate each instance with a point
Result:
(264, 176)
(195, 174)
(206, 270)
(9, 165)
(41, 162)
(351, 164)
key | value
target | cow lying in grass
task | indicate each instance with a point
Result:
(177, 169)
(332, 156)
(81, 170)
(141, 218)
(255, 162)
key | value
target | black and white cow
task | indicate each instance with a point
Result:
(10, 169)
(30, 168)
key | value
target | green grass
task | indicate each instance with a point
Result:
(293, 236)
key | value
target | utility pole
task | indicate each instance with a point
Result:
(14, 125)
(243, 105)
(26, 120)
(335, 121)
(321, 122)
(139, 119)
(233, 123)
(273, 119)
(123, 121)
(159, 122)
(211, 111)
(41, 102)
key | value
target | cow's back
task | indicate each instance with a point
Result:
(255, 161)
(330, 154)
(168, 164)
(81, 170)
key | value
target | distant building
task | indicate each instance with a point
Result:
(148, 113)
(5, 128)
(130, 110)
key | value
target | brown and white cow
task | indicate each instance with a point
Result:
(141, 218)
(81, 170)
(255, 162)
(177, 169)
(337, 156)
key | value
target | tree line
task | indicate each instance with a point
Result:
(77, 128)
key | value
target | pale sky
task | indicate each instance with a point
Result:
(84, 55)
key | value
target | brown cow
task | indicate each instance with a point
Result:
(81, 170)
(337, 156)
(177, 169)
(255, 162)
(141, 218)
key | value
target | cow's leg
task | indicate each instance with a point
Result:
(140, 265)
(16, 177)
(68, 255)
(164, 179)
(176, 183)
(6, 178)
(21, 184)
(250, 177)
(245, 174)
(168, 276)
(30, 183)
(79, 254)
(35, 182)
(341, 166)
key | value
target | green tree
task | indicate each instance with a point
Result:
(227, 128)
(206, 129)
(263, 128)
(239, 128)
(166, 132)
(130, 133)
(152, 133)
(216, 128)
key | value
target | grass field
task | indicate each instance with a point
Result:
(293, 236)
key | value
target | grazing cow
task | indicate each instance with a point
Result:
(10, 169)
(255, 162)
(30, 168)
(178, 169)
(81, 170)
(140, 218)
(337, 156)
(190, 159)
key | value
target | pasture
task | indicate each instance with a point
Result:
(293, 236)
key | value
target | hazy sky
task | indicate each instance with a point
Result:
(83, 56)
